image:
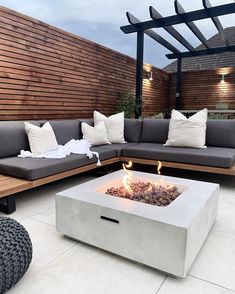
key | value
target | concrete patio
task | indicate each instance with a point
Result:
(61, 265)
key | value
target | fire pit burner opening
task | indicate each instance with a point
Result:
(160, 194)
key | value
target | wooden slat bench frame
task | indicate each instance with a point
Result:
(208, 169)
(10, 185)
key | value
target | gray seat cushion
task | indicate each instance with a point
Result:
(132, 130)
(220, 133)
(65, 130)
(155, 130)
(34, 168)
(114, 147)
(211, 156)
(13, 137)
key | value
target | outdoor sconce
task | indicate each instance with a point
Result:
(222, 78)
(149, 76)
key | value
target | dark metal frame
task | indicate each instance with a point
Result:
(187, 18)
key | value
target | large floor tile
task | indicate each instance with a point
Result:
(190, 285)
(87, 270)
(34, 201)
(227, 194)
(47, 243)
(216, 261)
(46, 216)
(226, 218)
(16, 216)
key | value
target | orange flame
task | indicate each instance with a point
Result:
(159, 166)
(126, 180)
(128, 165)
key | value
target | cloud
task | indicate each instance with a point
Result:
(100, 21)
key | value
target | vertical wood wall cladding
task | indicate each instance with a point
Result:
(47, 73)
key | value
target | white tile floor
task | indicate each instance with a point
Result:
(64, 266)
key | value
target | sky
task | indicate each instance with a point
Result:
(100, 21)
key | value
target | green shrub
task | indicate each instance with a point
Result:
(126, 103)
(217, 116)
(159, 115)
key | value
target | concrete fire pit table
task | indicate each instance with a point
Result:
(166, 238)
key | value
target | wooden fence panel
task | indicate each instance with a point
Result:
(202, 89)
(47, 73)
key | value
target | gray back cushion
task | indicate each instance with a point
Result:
(155, 130)
(65, 130)
(132, 130)
(13, 137)
(220, 133)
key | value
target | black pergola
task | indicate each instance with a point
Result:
(188, 18)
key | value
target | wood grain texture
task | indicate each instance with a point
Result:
(203, 88)
(47, 73)
(177, 165)
(11, 185)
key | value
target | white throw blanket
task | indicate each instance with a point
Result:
(72, 147)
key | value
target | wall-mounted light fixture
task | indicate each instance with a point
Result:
(149, 76)
(222, 78)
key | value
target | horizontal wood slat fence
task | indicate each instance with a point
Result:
(202, 89)
(47, 73)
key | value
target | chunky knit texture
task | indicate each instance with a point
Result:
(15, 253)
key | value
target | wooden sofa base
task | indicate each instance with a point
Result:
(10, 185)
(208, 169)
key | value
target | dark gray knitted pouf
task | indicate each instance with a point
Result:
(15, 252)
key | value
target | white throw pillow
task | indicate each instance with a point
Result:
(189, 132)
(42, 139)
(114, 125)
(95, 135)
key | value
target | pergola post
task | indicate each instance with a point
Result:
(178, 83)
(139, 73)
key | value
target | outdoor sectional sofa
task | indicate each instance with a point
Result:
(145, 139)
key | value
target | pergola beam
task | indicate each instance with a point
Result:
(167, 23)
(202, 52)
(216, 21)
(134, 21)
(176, 19)
(191, 25)
(155, 15)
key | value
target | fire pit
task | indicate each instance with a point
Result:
(158, 193)
(166, 234)
(147, 192)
